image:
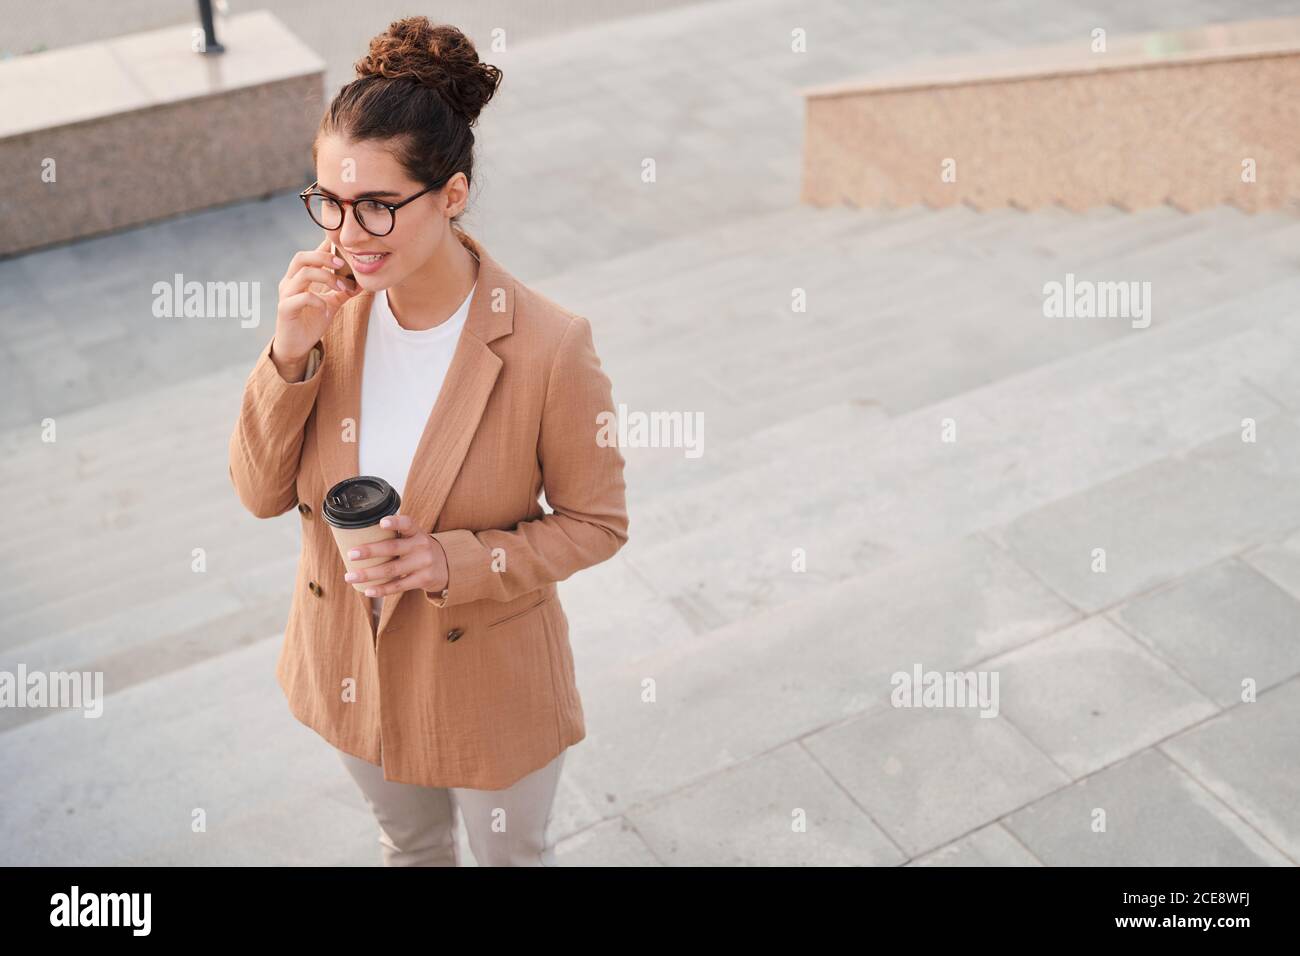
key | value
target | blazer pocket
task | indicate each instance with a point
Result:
(518, 614)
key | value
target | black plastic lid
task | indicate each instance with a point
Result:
(359, 502)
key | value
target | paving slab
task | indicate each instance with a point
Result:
(992, 845)
(1249, 759)
(1220, 627)
(1164, 520)
(1154, 814)
(929, 775)
(779, 809)
(1089, 695)
(1279, 561)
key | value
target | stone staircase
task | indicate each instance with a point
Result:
(822, 432)
(789, 400)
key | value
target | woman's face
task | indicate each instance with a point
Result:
(352, 170)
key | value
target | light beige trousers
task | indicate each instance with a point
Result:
(417, 825)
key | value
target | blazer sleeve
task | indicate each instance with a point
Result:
(266, 445)
(584, 486)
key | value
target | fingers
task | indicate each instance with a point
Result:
(335, 300)
(308, 274)
(408, 553)
(302, 300)
(393, 586)
(403, 523)
(386, 548)
(302, 258)
(403, 571)
(405, 541)
(320, 256)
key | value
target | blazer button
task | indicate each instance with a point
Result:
(304, 509)
(454, 634)
(315, 588)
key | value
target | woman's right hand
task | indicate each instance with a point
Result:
(310, 296)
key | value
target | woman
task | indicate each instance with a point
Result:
(451, 687)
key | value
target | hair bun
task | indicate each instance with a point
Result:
(438, 56)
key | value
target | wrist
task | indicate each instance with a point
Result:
(290, 369)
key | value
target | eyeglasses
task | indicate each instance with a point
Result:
(373, 215)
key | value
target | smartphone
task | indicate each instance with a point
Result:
(344, 270)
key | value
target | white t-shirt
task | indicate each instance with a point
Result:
(401, 377)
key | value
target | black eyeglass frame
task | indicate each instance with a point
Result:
(392, 207)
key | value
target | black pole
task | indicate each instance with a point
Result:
(210, 44)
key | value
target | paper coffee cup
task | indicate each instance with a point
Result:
(353, 509)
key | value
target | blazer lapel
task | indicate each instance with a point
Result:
(455, 416)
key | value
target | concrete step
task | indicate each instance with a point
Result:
(50, 612)
(152, 620)
(878, 293)
(144, 539)
(159, 649)
(656, 471)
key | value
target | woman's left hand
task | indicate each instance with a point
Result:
(418, 560)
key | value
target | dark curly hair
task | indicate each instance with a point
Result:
(422, 86)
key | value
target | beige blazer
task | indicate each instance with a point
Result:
(474, 686)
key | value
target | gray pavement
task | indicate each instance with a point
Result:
(1121, 689)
